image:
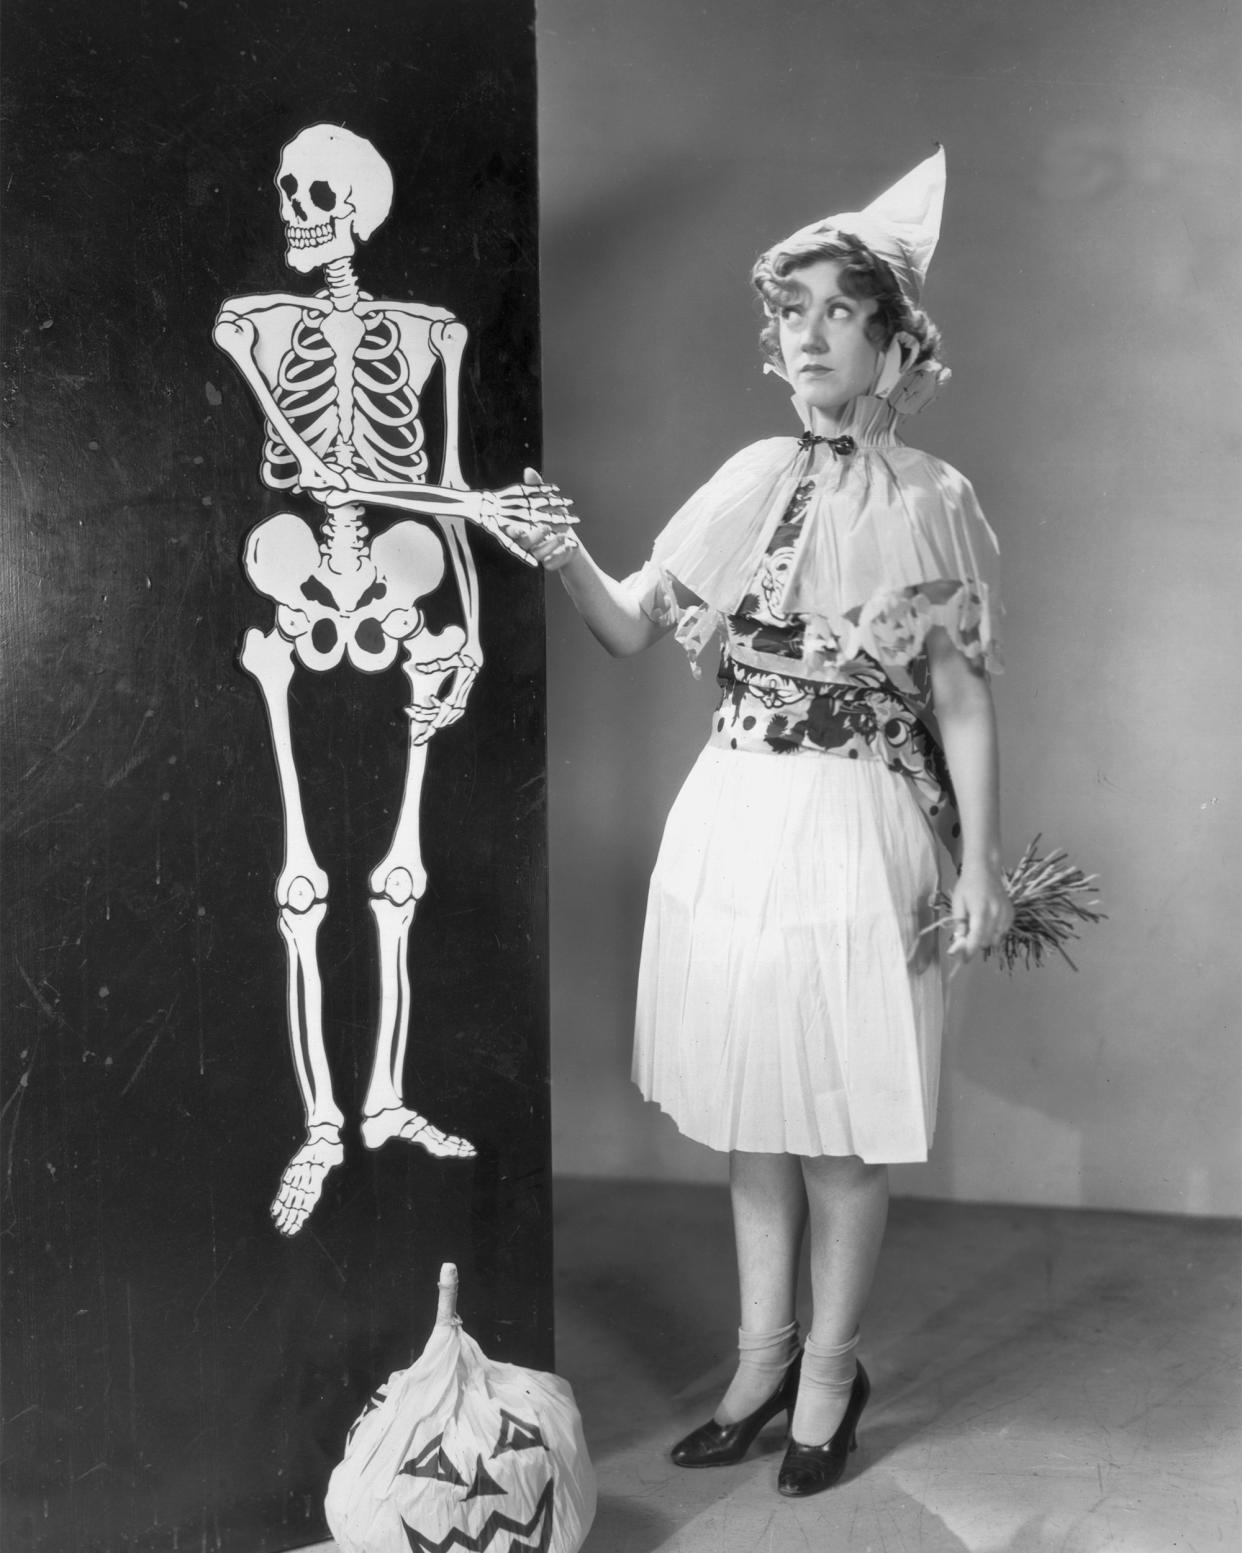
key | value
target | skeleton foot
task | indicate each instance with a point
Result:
(301, 1186)
(399, 1121)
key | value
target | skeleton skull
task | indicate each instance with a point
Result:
(334, 188)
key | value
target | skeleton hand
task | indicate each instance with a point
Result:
(517, 514)
(535, 501)
(545, 533)
(429, 711)
(326, 483)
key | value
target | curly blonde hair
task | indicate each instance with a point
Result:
(863, 276)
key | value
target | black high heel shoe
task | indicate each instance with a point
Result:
(809, 1469)
(720, 1445)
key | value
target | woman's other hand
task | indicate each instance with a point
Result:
(553, 547)
(982, 910)
(538, 518)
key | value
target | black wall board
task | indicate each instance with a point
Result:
(176, 1374)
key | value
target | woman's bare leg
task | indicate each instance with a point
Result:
(848, 1203)
(769, 1216)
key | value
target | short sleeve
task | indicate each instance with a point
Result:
(894, 623)
(952, 583)
(651, 588)
(694, 623)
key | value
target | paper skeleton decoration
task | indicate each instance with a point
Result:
(461, 1452)
(338, 376)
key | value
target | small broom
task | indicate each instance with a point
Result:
(1048, 908)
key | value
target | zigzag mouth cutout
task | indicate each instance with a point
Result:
(523, 1533)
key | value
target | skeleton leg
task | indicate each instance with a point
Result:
(397, 885)
(301, 898)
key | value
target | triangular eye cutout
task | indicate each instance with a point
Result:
(484, 1483)
(515, 1435)
(431, 1462)
(376, 1398)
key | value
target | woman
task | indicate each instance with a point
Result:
(789, 1005)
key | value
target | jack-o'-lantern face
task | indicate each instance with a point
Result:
(499, 1502)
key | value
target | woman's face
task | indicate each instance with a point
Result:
(828, 358)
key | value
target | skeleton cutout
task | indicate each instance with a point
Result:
(338, 377)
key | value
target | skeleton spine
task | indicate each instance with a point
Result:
(343, 539)
(342, 284)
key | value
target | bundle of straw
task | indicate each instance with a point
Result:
(1048, 906)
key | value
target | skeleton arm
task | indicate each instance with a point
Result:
(236, 333)
(517, 506)
(430, 710)
(447, 338)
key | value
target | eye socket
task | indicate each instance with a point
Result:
(374, 1401)
(322, 194)
(517, 1435)
(432, 1462)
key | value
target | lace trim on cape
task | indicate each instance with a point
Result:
(893, 624)
(891, 627)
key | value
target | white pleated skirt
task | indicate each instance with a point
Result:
(787, 1000)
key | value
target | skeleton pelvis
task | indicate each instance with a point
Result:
(331, 604)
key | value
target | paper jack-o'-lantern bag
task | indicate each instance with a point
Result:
(460, 1453)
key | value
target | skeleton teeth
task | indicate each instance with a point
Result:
(308, 236)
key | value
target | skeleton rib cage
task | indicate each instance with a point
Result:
(378, 432)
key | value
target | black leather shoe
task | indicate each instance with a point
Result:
(720, 1445)
(809, 1469)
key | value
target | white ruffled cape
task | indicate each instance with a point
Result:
(887, 534)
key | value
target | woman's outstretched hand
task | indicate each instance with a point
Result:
(982, 910)
(545, 533)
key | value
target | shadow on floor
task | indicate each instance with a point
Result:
(1042, 1379)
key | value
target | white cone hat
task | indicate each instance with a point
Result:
(901, 227)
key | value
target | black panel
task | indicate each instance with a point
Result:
(176, 1374)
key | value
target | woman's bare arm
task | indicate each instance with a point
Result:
(613, 612)
(967, 718)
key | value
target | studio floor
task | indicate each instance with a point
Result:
(1043, 1380)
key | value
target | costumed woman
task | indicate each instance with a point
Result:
(790, 1003)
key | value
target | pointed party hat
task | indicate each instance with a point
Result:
(901, 227)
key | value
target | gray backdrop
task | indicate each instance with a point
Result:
(1089, 237)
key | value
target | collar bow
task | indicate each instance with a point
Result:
(841, 446)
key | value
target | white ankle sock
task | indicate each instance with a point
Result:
(763, 1358)
(823, 1389)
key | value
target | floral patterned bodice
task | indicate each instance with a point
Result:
(851, 709)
